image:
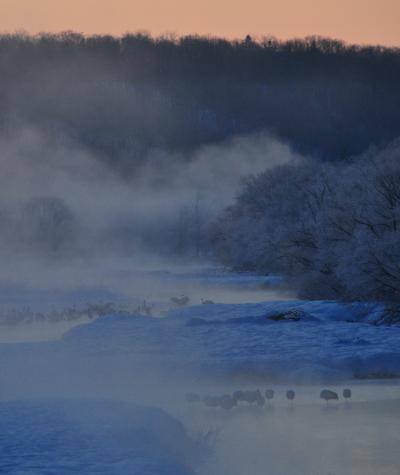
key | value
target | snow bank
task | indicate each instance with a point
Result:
(332, 340)
(61, 437)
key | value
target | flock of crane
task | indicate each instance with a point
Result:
(257, 398)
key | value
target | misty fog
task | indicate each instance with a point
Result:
(55, 190)
(74, 231)
(184, 224)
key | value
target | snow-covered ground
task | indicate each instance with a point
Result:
(331, 341)
(55, 418)
(92, 437)
(65, 304)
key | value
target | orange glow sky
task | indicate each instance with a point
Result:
(361, 21)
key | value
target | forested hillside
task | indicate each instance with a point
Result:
(137, 144)
(125, 97)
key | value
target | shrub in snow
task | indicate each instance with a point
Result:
(290, 315)
(47, 224)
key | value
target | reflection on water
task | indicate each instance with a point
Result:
(309, 438)
(218, 287)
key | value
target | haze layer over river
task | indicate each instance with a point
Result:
(211, 349)
(125, 287)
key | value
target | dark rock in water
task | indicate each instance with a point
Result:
(329, 395)
(347, 393)
(294, 315)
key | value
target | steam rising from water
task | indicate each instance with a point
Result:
(70, 221)
(107, 253)
(110, 214)
(360, 439)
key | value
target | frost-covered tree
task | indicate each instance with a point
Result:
(334, 229)
(48, 225)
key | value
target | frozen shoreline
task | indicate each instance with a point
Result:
(50, 390)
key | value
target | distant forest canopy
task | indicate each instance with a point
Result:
(126, 97)
(122, 146)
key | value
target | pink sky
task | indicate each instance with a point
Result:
(362, 21)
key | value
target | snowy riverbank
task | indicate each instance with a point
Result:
(92, 437)
(55, 418)
(331, 340)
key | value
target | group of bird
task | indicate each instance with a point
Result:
(256, 398)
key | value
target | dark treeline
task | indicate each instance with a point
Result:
(76, 109)
(125, 97)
